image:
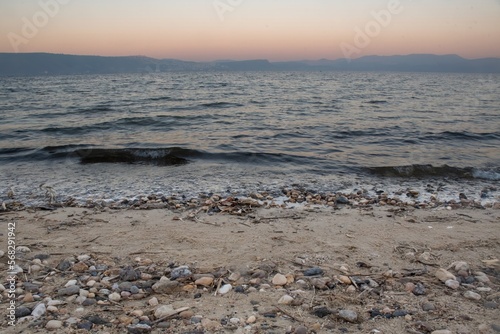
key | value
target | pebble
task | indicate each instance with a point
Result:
(114, 297)
(54, 324)
(204, 281)
(285, 300)
(279, 280)
(86, 325)
(70, 290)
(164, 285)
(428, 307)
(419, 289)
(22, 311)
(153, 302)
(300, 330)
(313, 272)
(461, 265)
(139, 329)
(164, 311)
(348, 315)
(345, 279)
(251, 319)
(472, 295)
(79, 267)
(491, 305)
(71, 283)
(441, 331)
(39, 310)
(452, 284)
(129, 274)
(180, 272)
(83, 257)
(443, 275)
(225, 289)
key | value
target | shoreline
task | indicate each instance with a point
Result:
(389, 254)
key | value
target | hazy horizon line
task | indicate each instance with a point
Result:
(252, 59)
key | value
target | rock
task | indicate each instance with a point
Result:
(129, 274)
(96, 320)
(71, 283)
(496, 327)
(115, 297)
(234, 277)
(80, 267)
(348, 315)
(83, 257)
(134, 290)
(428, 307)
(31, 287)
(321, 312)
(89, 302)
(300, 330)
(64, 265)
(153, 302)
(251, 319)
(481, 277)
(442, 331)
(35, 268)
(419, 289)
(204, 281)
(350, 289)
(452, 284)
(461, 265)
(342, 200)
(39, 310)
(235, 321)
(188, 314)
(28, 298)
(472, 295)
(225, 289)
(279, 280)
(54, 324)
(70, 290)
(164, 311)
(164, 285)
(285, 300)
(139, 329)
(443, 275)
(345, 279)
(22, 311)
(180, 272)
(313, 272)
(491, 305)
(86, 325)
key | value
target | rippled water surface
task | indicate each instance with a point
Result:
(123, 135)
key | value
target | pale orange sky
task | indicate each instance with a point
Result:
(276, 30)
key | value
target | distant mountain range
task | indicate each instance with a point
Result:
(34, 64)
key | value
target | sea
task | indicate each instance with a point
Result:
(108, 138)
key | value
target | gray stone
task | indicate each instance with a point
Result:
(22, 311)
(70, 290)
(129, 274)
(491, 305)
(39, 310)
(166, 286)
(348, 315)
(472, 295)
(125, 286)
(180, 272)
(139, 329)
(300, 330)
(428, 307)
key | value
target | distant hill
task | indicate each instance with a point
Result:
(34, 64)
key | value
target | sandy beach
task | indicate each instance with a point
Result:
(301, 270)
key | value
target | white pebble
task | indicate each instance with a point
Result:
(39, 310)
(54, 324)
(71, 283)
(225, 289)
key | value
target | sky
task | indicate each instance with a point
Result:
(278, 30)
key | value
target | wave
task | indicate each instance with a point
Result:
(423, 171)
(162, 157)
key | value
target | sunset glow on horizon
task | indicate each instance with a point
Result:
(205, 30)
